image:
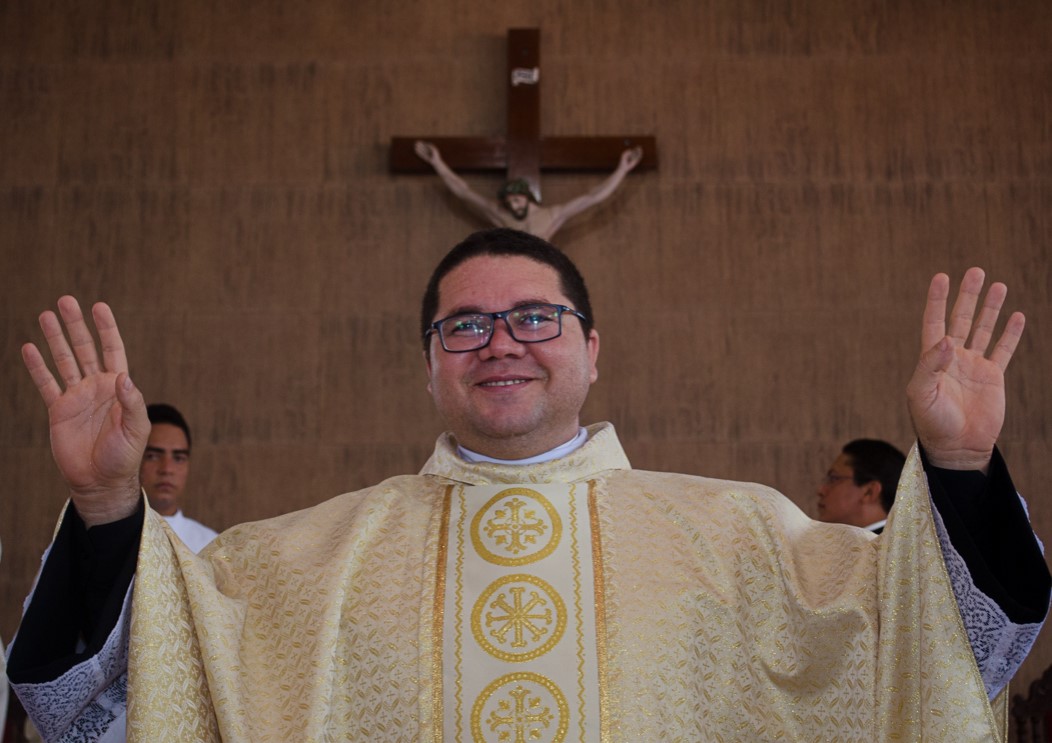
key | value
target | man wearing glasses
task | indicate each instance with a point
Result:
(528, 584)
(859, 486)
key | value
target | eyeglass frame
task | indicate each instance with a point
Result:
(831, 478)
(435, 327)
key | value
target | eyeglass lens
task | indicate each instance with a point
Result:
(530, 324)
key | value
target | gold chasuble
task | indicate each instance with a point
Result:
(575, 600)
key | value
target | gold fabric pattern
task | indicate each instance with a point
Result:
(600, 614)
(508, 531)
(723, 614)
(292, 648)
(521, 707)
(456, 709)
(163, 622)
(519, 616)
(431, 704)
(584, 643)
(925, 617)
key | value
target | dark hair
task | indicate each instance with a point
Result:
(872, 459)
(160, 412)
(506, 241)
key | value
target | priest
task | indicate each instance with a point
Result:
(528, 584)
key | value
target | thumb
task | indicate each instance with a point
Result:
(937, 358)
(134, 421)
(924, 384)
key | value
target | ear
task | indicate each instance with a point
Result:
(593, 354)
(427, 365)
(871, 491)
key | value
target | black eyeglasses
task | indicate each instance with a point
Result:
(530, 323)
(831, 478)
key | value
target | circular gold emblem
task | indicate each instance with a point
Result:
(518, 618)
(520, 707)
(517, 526)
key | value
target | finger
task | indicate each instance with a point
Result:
(983, 329)
(933, 323)
(1009, 340)
(40, 374)
(964, 308)
(113, 355)
(80, 338)
(65, 361)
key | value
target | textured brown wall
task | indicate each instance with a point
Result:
(217, 172)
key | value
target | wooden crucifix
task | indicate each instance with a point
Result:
(523, 152)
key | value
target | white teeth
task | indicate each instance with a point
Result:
(507, 383)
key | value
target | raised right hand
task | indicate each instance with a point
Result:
(98, 421)
(425, 151)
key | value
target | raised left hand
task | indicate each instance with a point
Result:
(956, 396)
(631, 157)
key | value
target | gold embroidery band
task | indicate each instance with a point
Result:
(519, 655)
(600, 616)
(437, 613)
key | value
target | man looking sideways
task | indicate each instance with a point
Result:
(859, 486)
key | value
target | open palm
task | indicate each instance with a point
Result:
(98, 419)
(956, 396)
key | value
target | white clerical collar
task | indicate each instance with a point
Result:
(560, 451)
(877, 525)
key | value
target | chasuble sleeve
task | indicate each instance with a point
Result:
(928, 684)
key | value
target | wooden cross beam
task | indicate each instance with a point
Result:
(523, 152)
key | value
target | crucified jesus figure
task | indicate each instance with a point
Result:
(516, 206)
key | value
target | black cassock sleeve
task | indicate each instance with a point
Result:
(78, 597)
(988, 526)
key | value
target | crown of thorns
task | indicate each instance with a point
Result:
(517, 186)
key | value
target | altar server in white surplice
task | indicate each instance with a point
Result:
(165, 470)
(528, 584)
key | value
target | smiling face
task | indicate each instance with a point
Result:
(510, 400)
